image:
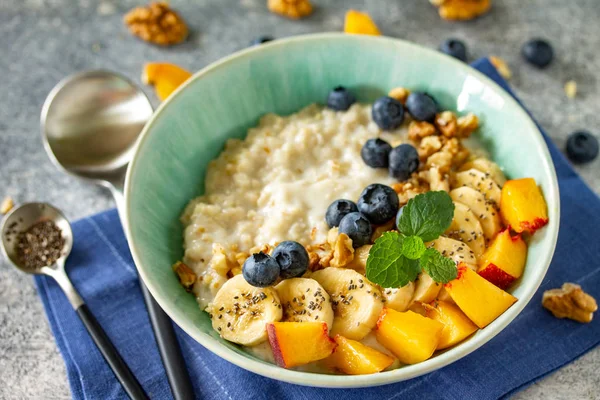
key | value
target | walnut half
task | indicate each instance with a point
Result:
(186, 276)
(570, 302)
(157, 23)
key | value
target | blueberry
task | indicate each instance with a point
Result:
(375, 153)
(260, 270)
(387, 113)
(338, 210)
(582, 147)
(421, 106)
(454, 48)
(261, 40)
(404, 160)
(357, 227)
(340, 99)
(538, 52)
(292, 258)
(398, 215)
(379, 203)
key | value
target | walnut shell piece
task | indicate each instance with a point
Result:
(157, 23)
(186, 276)
(570, 301)
(294, 9)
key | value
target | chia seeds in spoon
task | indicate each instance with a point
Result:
(40, 245)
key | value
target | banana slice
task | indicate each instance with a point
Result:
(479, 181)
(426, 289)
(304, 300)
(456, 250)
(357, 303)
(486, 166)
(466, 228)
(399, 299)
(486, 212)
(241, 311)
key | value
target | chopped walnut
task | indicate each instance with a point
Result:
(157, 23)
(442, 160)
(381, 229)
(409, 189)
(467, 124)
(319, 256)
(359, 263)
(417, 130)
(400, 94)
(241, 258)
(219, 262)
(462, 9)
(570, 302)
(7, 205)
(332, 236)
(446, 123)
(343, 252)
(428, 146)
(235, 271)
(186, 276)
(265, 248)
(294, 9)
(501, 66)
(436, 180)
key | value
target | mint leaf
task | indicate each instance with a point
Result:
(387, 266)
(441, 269)
(428, 215)
(413, 247)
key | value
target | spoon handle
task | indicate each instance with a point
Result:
(111, 355)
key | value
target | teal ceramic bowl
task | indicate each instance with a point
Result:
(228, 97)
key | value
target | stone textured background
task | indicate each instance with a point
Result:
(42, 41)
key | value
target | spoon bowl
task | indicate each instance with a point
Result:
(90, 124)
(20, 219)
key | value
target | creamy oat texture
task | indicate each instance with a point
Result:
(276, 185)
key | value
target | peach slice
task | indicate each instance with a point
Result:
(479, 299)
(457, 326)
(355, 358)
(411, 337)
(298, 343)
(165, 77)
(361, 23)
(504, 261)
(522, 205)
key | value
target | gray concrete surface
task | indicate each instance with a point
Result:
(41, 41)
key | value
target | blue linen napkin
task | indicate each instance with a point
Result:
(534, 345)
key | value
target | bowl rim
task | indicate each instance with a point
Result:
(405, 372)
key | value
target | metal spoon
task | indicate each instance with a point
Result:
(90, 124)
(21, 219)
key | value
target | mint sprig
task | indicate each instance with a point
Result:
(427, 215)
(397, 258)
(389, 267)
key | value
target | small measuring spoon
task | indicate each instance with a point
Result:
(90, 125)
(21, 219)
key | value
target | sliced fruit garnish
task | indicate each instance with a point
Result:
(504, 261)
(299, 343)
(411, 337)
(485, 210)
(523, 206)
(479, 299)
(457, 326)
(361, 23)
(355, 358)
(164, 77)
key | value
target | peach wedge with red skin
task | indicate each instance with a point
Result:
(299, 343)
(411, 337)
(522, 205)
(355, 358)
(504, 260)
(480, 300)
(457, 326)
